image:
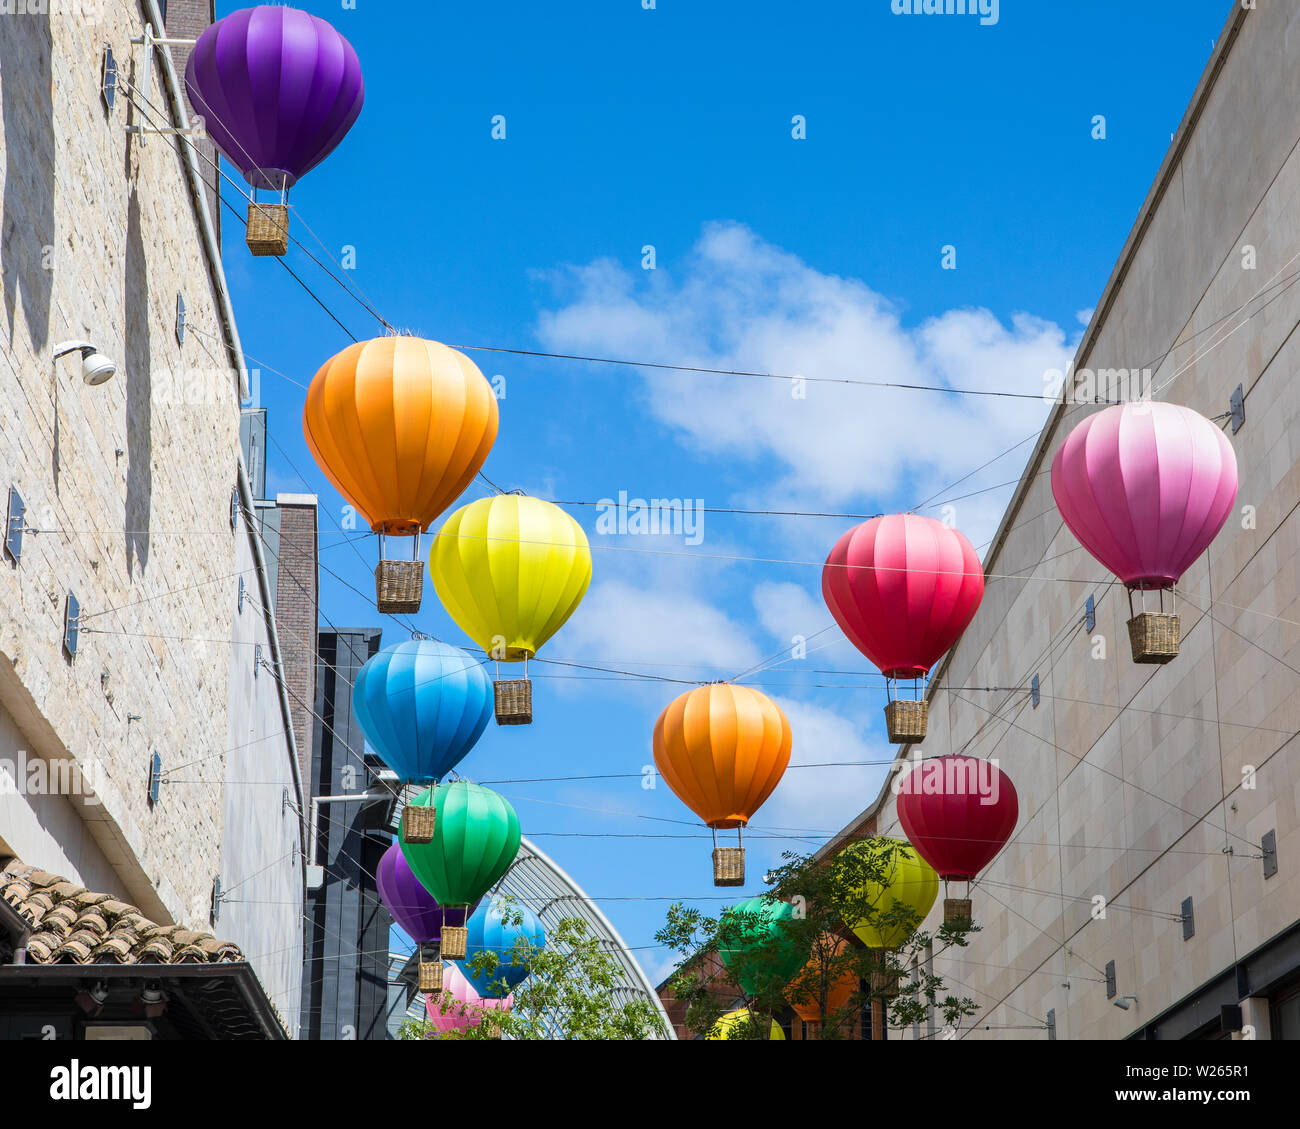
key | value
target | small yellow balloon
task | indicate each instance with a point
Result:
(911, 881)
(722, 1029)
(510, 570)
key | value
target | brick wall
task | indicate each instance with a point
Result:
(296, 611)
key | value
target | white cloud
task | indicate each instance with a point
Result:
(658, 629)
(741, 303)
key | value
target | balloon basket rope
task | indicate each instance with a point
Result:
(956, 911)
(417, 823)
(268, 229)
(399, 587)
(728, 866)
(455, 940)
(1154, 637)
(906, 721)
(514, 701)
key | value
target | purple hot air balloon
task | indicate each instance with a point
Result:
(412, 906)
(277, 88)
(1145, 488)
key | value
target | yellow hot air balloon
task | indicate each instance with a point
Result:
(723, 1028)
(510, 570)
(910, 883)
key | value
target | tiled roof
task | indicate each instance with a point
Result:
(72, 925)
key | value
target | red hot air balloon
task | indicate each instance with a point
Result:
(1145, 488)
(903, 588)
(958, 812)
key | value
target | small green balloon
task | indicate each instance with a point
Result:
(756, 947)
(475, 839)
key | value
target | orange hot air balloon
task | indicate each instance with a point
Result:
(722, 749)
(805, 990)
(400, 426)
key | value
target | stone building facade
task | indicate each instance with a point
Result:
(1171, 793)
(137, 503)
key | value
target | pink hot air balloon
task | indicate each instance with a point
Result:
(1145, 488)
(458, 1005)
(903, 588)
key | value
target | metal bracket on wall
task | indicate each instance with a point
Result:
(155, 778)
(234, 508)
(257, 659)
(108, 79)
(71, 626)
(1237, 409)
(149, 41)
(1110, 980)
(1090, 614)
(217, 895)
(14, 522)
(1268, 848)
(1189, 920)
(180, 319)
(239, 605)
(1033, 691)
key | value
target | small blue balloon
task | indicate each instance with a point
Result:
(422, 706)
(489, 931)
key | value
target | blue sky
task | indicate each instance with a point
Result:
(672, 128)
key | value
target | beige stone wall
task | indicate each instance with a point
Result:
(1130, 777)
(130, 482)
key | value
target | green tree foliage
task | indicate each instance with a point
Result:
(828, 897)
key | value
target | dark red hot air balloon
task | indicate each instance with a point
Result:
(958, 812)
(903, 588)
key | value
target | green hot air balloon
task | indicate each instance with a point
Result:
(756, 946)
(475, 839)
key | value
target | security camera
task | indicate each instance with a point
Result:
(96, 368)
(1122, 1003)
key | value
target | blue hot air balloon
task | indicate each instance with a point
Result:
(422, 706)
(491, 929)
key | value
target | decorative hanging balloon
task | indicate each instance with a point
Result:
(756, 946)
(1146, 487)
(825, 984)
(416, 912)
(722, 749)
(422, 706)
(494, 929)
(958, 812)
(510, 570)
(458, 1006)
(276, 89)
(903, 588)
(475, 839)
(400, 426)
(900, 898)
(743, 1019)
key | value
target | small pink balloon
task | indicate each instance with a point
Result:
(1145, 488)
(458, 1005)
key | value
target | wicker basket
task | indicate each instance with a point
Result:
(399, 586)
(956, 911)
(728, 866)
(906, 721)
(514, 701)
(430, 974)
(268, 229)
(884, 983)
(1154, 637)
(455, 939)
(417, 823)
